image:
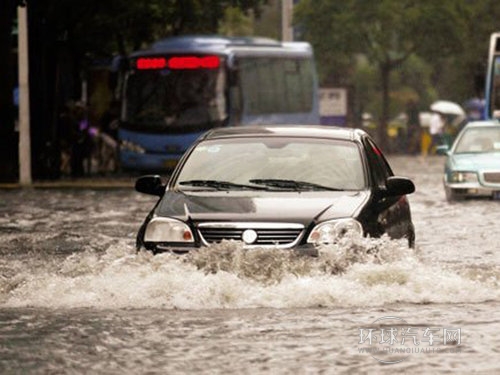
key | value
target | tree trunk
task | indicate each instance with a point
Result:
(385, 71)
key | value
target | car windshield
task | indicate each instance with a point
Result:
(273, 163)
(480, 139)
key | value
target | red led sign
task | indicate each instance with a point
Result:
(178, 62)
(193, 62)
(144, 63)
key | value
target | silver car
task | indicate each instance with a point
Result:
(472, 167)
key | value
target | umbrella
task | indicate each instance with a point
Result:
(425, 119)
(447, 108)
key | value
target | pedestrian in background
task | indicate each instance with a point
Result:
(66, 129)
(108, 139)
(414, 128)
(81, 150)
(436, 129)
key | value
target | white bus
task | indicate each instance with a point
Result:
(183, 86)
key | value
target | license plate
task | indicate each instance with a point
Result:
(496, 195)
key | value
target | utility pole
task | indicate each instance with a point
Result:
(24, 99)
(286, 20)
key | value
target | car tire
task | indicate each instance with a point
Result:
(452, 196)
(411, 240)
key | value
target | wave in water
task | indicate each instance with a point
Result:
(365, 272)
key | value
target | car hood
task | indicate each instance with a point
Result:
(474, 162)
(292, 207)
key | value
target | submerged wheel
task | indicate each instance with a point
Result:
(452, 196)
(411, 240)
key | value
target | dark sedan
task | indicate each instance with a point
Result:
(276, 186)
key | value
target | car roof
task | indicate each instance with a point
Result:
(308, 131)
(482, 124)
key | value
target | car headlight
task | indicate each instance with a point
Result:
(463, 177)
(332, 230)
(162, 229)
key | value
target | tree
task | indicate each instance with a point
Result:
(387, 32)
(235, 23)
(462, 74)
(98, 27)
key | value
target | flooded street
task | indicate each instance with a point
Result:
(76, 298)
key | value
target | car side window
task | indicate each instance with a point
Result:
(379, 168)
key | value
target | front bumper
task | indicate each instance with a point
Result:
(479, 189)
(305, 249)
(486, 183)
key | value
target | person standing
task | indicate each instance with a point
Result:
(414, 128)
(82, 143)
(67, 126)
(108, 139)
(436, 130)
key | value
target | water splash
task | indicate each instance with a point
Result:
(270, 267)
(364, 272)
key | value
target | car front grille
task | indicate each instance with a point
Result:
(268, 234)
(491, 177)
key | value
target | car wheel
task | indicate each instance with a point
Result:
(452, 196)
(411, 240)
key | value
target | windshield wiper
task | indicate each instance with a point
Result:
(291, 184)
(221, 185)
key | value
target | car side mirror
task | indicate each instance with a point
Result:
(442, 149)
(150, 184)
(396, 186)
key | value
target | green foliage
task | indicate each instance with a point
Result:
(269, 22)
(107, 27)
(236, 23)
(387, 31)
(425, 49)
(450, 36)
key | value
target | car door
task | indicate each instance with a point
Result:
(388, 214)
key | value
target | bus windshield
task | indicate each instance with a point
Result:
(180, 99)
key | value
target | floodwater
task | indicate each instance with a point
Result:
(76, 298)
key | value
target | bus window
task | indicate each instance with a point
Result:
(274, 85)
